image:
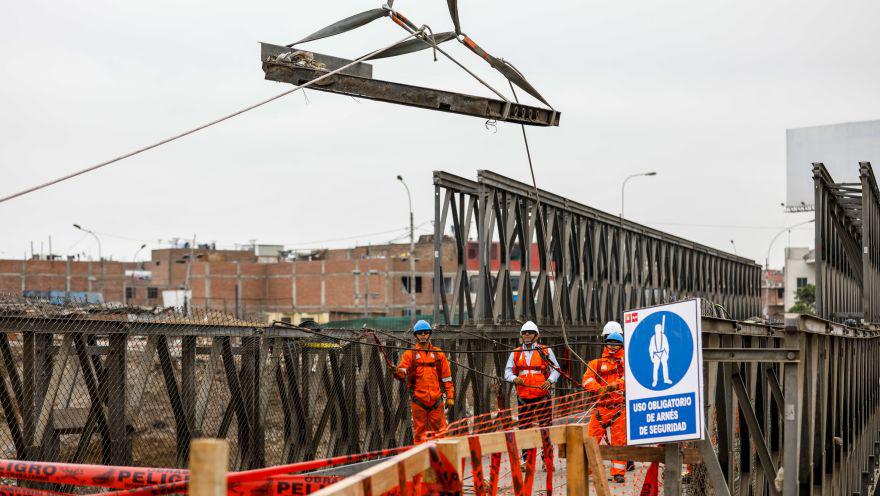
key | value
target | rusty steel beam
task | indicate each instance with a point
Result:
(362, 86)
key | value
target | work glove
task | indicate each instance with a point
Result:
(519, 381)
(546, 385)
(391, 370)
(450, 402)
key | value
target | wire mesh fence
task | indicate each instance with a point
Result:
(86, 383)
(89, 383)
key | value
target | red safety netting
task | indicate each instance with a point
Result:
(571, 408)
(517, 472)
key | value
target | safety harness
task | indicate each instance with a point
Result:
(544, 359)
(411, 380)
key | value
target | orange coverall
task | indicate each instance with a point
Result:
(425, 371)
(609, 411)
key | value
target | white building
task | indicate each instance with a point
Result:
(800, 270)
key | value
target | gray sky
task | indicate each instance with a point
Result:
(701, 92)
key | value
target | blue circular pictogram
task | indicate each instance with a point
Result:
(660, 350)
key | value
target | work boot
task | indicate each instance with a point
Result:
(630, 466)
(619, 479)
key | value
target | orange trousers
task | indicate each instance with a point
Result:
(425, 421)
(613, 418)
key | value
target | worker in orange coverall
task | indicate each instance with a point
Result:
(608, 413)
(427, 374)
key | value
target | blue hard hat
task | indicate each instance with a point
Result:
(614, 336)
(422, 325)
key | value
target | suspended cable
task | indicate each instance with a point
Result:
(203, 126)
(539, 223)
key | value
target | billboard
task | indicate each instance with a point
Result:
(839, 146)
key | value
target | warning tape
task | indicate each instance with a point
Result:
(447, 477)
(147, 481)
(652, 481)
(262, 474)
(477, 465)
(24, 491)
(547, 457)
(90, 475)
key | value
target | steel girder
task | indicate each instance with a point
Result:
(587, 265)
(847, 246)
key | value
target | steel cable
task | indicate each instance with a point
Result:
(205, 125)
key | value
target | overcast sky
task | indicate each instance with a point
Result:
(700, 92)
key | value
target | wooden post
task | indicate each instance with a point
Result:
(672, 470)
(597, 469)
(576, 469)
(450, 449)
(208, 461)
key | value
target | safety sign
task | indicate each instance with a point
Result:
(664, 373)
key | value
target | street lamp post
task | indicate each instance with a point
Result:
(620, 243)
(412, 253)
(623, 187)
(134, 259)
(100, 256)
(767, 266)
(133, 278)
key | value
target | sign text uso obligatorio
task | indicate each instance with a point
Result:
(666, 415)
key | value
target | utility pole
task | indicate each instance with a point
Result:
(100, 255)
(412, 253)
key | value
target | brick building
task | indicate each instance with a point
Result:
(773, 294)
(325, 284)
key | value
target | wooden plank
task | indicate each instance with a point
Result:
(454, 450)
(494, 442)
(597, 468)
(576, 466)
(647, 454)
(381, 477)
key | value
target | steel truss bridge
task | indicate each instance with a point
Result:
(847, 246)
(797, 402)
(588, 267)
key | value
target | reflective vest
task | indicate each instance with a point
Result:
(604, 371)
(534, 373)
(424, 369)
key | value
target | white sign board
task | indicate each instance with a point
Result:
(664, 373)
(839, 146)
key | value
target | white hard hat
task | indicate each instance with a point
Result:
(530, 326)
(610, 327)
